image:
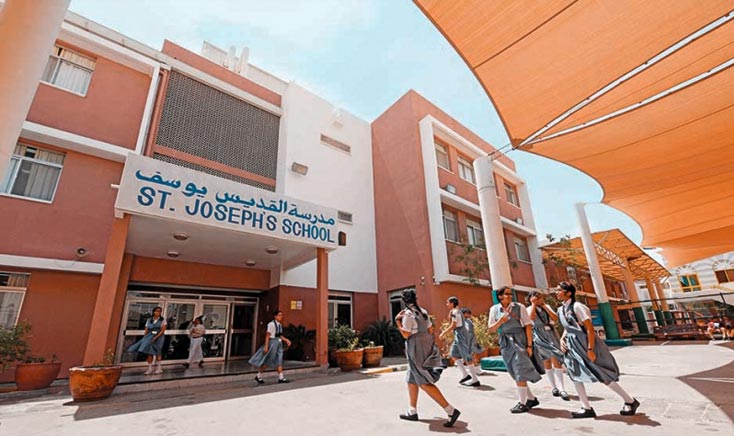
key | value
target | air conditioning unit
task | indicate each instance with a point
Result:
(451, 189)
(519, 220)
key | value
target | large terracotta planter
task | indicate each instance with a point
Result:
(372, 356)
(32, 376)
(494, 351)
(349, 360)
(90, 383)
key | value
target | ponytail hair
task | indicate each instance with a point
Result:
(411, 301)
(569, 287)
(454, 301)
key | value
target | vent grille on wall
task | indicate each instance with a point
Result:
(337, 144)
(205, 122)
(345, 216)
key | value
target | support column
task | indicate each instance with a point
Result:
(629, 283)
(494, 236)
(653, 291)
(28, 30)
(108, 285)
(597, 279)
(541, 281)
(663, 302)
(322, 302)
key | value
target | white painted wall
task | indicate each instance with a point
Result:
(335, 179)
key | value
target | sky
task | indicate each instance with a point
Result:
(361, 55)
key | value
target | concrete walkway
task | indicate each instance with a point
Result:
(359, 404)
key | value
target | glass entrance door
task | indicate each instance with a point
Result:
(242, 329)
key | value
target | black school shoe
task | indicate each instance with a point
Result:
(476, 384)
(556, 392)
(564, 396)
(409, 417)
(587, 413)
(519, 408)
(259, 380)
(630, 408)
(465, 379)
(452, 418)
(283, 380)
(532, 403)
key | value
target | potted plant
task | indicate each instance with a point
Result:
(339, 337)
(487, 341)
(31, 372)
(345, 341)
(302, 342)
(372, 356)
(383, 332)
(96, 381)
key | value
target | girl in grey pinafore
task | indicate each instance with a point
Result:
(513, 347)
(547, 343)
(424, 359)
(587, 362)
(461, 349)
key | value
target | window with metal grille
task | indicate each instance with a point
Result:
(337, 144)
(69, 70)
(205, 122)
(33, 173)
(344, 216)
(213, 172)
(12, 292)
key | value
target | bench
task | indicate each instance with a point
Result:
(679, 331)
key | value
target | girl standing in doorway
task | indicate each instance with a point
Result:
(271, 352)
(516, 346)
(587, 358)
(424, 360)
(196, 333)
(547, 343)
(152, 341)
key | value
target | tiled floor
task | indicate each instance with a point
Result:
(213, 369)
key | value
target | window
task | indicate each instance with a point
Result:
(725, 275)
(475, 233)
(450, 230)
(12, 291)
(340, 310)
(466, 171)
(344, 217)
(689, 282)
(522, 250)
(33, 173)
(511, 195)
(69, 70)
(442, 157)
(337, 144)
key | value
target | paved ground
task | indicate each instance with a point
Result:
(661, 377)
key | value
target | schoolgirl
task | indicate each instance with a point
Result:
(547, 342)
(461, 349)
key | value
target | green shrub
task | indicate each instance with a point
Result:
(383, 332)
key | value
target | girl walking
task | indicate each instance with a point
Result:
(587, 358)
(271, 352)
(152, 342)
(547, 343)
(516, 346)
(424, 360)
(461, 349)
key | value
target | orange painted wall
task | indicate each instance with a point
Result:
(507, 209)
(59, 306)
(364, 307)
(172, 272)
(80, 216)
(111, 111)
(521, 272)
(221, 73)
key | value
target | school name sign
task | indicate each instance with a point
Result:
(154, 188)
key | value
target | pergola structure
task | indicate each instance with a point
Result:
(621, 259)
(638, 95)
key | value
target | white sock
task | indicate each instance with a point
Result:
(260, 374)
(281, 376)
(462, 368)
(550, 375)
(621, 392)
(473, 373)
(412, 410)
(449, 409)
(523, 391)
(581, 390)
(558, 374)
(530, 393)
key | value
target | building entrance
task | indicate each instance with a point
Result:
(230, 322)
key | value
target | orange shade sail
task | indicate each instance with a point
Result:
(638, 95)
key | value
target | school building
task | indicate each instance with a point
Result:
(202, 184)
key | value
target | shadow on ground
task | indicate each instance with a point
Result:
(717, 384)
